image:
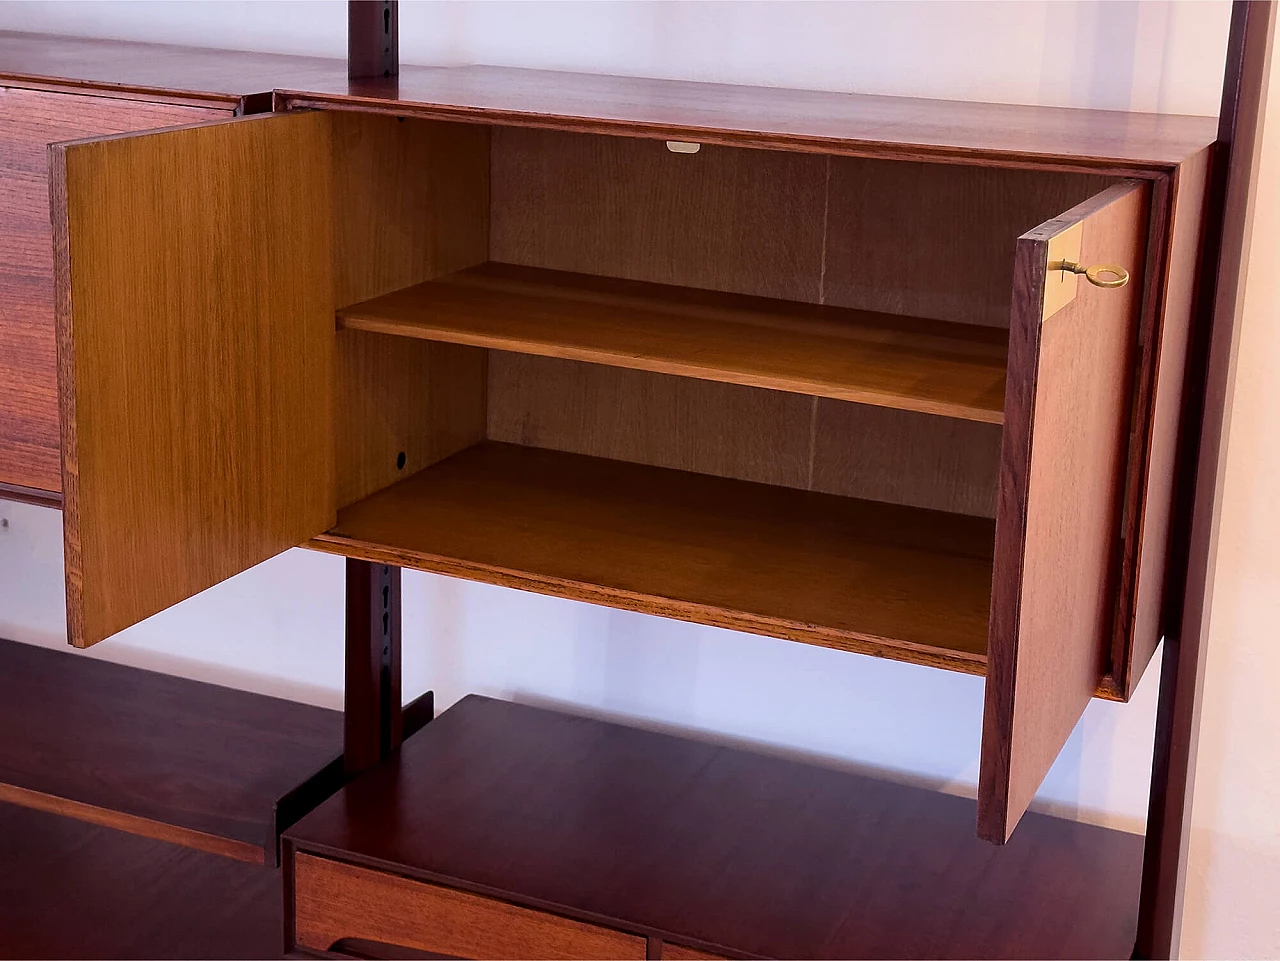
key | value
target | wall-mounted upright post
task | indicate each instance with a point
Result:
(1210, 375)
(373, 39)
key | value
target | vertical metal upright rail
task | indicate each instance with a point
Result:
(373, 39)
(373, 718)
(1201, 460)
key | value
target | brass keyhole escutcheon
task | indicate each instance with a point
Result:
(1100, 275)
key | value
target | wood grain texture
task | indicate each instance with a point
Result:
(336, 900)
(772, 437)
(738, 853)
(656, 419)
(74, 890)
(865, 125)
(1062, 478)
(411, 203)
(186, 762)
(29, 121)
(1143, 593)
(875, 578)
(128, 69)
(879, 359)
(678, 952)
(742, 221)
(935, 240)
(397, 396)
(195, 350)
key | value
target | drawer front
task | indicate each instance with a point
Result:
(335, 901)
(678, 952)
(29, 121)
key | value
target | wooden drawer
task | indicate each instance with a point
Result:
(314, 347)
(335, 901)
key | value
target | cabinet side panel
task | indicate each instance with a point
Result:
(195, 325)
(411, 203)
(29, 121)
(1139, 627)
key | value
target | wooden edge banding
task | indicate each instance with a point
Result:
(1011, 534)
(31, 495)
(288, 99)
(133, 824)
(66, 370)
(111, 91)
(647, 604)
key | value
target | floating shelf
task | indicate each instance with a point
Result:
(204, 766)
(858, 575)
(933, 367)
(722, 850)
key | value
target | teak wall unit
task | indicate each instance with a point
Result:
(832, 376)
(758, 387)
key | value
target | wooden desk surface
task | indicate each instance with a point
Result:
(731, 850)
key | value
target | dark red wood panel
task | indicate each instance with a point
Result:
(728, 850)
(75, 890)
(29, 121)
(200, 765)
(860, 124)
(128, 67)
(1058, 548)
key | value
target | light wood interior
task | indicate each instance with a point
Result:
(588, 366)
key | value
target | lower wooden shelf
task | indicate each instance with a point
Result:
(858, 575)
(69, 889)
(701, 850)
(203, 766)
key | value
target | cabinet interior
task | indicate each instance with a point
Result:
(746, 387)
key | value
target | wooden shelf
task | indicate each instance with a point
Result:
(933, 367)
(69, 889)
(877, 578)
(720, 849)
(204, 766)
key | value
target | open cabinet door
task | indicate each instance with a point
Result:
(1068, 405)
(195, 340)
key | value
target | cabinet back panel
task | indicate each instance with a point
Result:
(411, 203)
(745, 221)
(926, 240)
(748, 433)
(934, 240)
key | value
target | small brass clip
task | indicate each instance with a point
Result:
(1100, 275)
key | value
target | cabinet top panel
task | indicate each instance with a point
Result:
(816, 121)
(859, 124)
(154, 68)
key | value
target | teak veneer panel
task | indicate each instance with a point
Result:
(802, 120)
(195, 764)
(768, 436)
(195, 353)
(29, 121)
(336, 901)
(930, 367)
(745, 221)
(736, 852)
(876, 578)
(1062, 479)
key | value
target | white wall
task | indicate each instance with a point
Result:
(277, 628)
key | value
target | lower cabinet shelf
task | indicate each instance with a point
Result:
(508, 830)
(896, 581)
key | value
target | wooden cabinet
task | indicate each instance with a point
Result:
(855, 401)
